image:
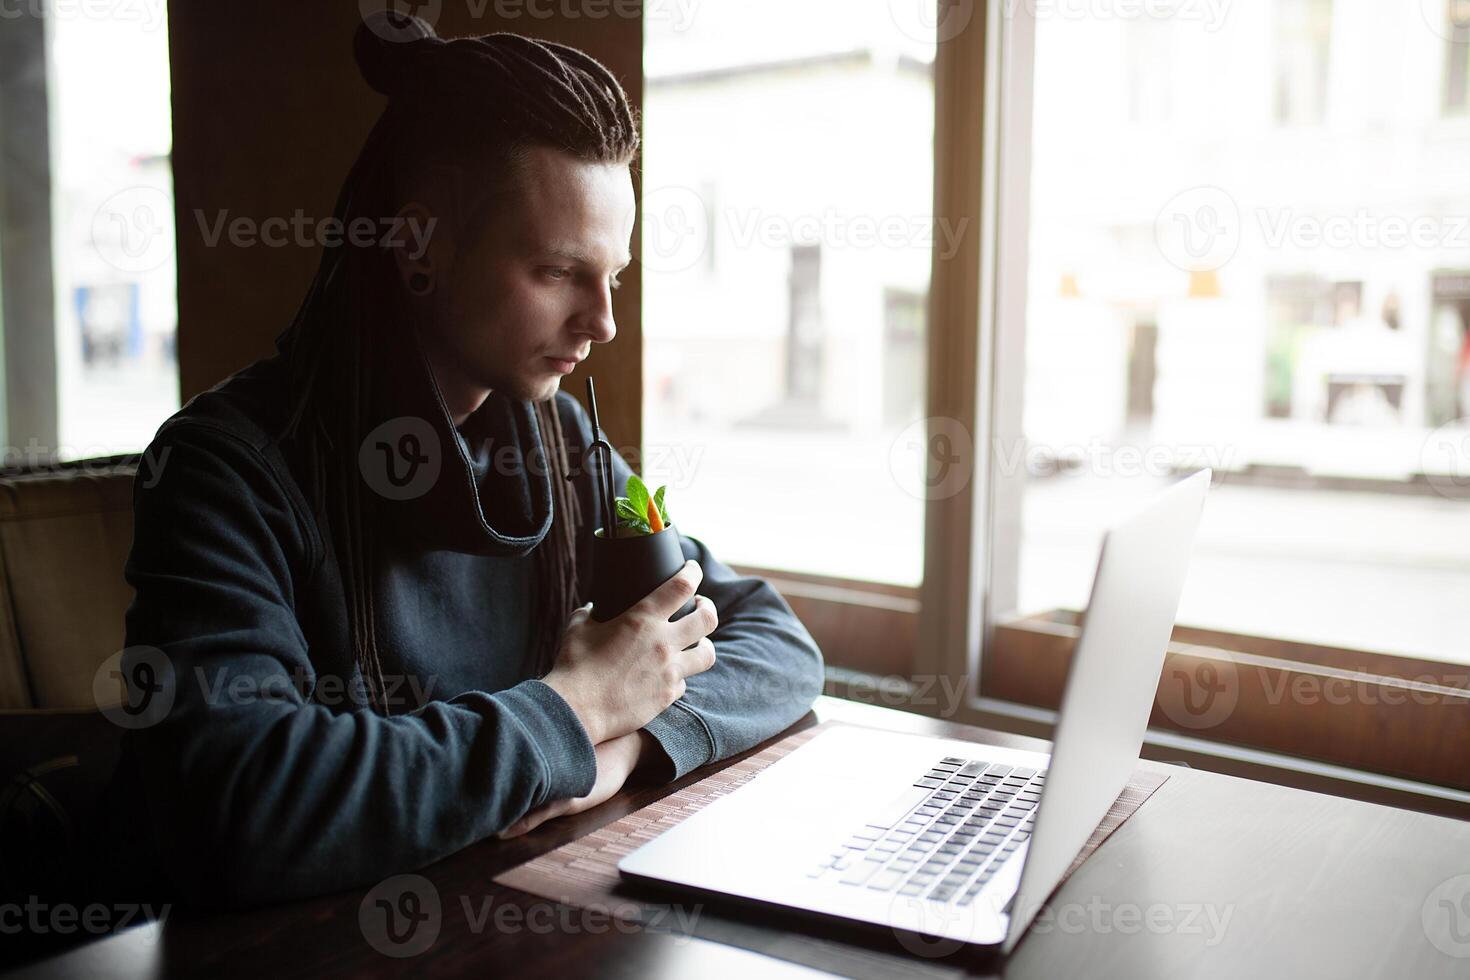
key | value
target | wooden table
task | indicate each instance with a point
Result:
(1214, 877)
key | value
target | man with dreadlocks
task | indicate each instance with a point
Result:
(358, 643)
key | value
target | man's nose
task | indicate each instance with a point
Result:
(597, 320)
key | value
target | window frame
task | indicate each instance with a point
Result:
(978, 311)
(1456, 100)
(870, 628)
(29, 385)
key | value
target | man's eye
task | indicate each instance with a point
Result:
(557, 272)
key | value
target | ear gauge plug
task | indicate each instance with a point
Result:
(419, 283)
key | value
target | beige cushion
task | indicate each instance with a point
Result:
(64, 539)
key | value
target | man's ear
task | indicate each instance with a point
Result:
(421, 248)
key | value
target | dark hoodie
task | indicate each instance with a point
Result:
(264, 777)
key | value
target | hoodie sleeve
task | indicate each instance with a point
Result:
(768, 670)
(255, 793)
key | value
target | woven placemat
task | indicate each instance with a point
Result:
(584, 872)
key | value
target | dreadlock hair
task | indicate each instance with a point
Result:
(467, 109)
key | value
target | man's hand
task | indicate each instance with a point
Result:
(616, 676)
(617, 758)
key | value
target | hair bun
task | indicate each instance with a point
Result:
(378, 44)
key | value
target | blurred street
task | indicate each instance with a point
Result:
(1375, 571)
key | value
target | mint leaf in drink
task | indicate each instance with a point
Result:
(638, 494)
(631, 525)
(632, 512)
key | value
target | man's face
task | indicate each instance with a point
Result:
(536, 287)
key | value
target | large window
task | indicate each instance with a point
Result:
(91, 314)
(1219, 288)
(787, 194)
(116, 313)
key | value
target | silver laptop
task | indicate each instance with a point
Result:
(943, 838)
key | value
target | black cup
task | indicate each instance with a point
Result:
(626, 569)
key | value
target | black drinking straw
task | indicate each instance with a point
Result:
(607, 478)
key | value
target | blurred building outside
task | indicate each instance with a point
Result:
(1245, 252)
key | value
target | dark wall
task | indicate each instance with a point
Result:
(268, 114)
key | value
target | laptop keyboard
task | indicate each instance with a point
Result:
(945, 836)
